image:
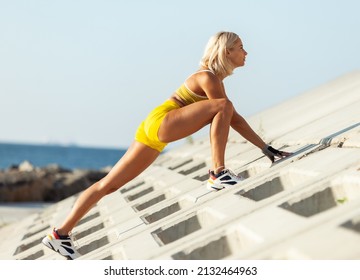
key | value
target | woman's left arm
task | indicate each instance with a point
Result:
(239, 124)
(243, 128)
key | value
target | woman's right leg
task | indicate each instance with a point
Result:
(185, 121)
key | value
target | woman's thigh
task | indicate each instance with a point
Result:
(137, 158)
(182, 122)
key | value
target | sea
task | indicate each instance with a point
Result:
(70, 157)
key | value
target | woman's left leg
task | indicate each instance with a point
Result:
(137, 158)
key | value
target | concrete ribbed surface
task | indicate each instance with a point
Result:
(303, 207)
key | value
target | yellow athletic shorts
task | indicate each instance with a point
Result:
(147, 132)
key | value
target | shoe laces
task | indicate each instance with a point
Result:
(232, 173)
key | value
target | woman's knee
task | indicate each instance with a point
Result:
(105, 186)
(224, 105)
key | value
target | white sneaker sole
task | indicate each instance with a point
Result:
(214, 187)
(217, 187)
(57, 248)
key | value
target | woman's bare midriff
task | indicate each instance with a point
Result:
(177, 100)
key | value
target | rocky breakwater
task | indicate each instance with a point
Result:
(47, 184)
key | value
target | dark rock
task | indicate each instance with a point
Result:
(55, 168)
(49, 184)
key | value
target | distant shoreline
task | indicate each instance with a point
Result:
(69, 157)
(59, 144)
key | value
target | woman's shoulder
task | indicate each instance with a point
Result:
(206, 76)
(203, 75)
(201, 80)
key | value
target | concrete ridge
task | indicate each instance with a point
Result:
(302, 207)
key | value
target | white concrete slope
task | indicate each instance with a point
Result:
(303, 207)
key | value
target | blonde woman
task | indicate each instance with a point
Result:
(199, 101)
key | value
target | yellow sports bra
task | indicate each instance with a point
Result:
(187, 96)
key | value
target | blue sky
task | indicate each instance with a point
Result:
(87, 72)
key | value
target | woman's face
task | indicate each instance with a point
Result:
(237, 54)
